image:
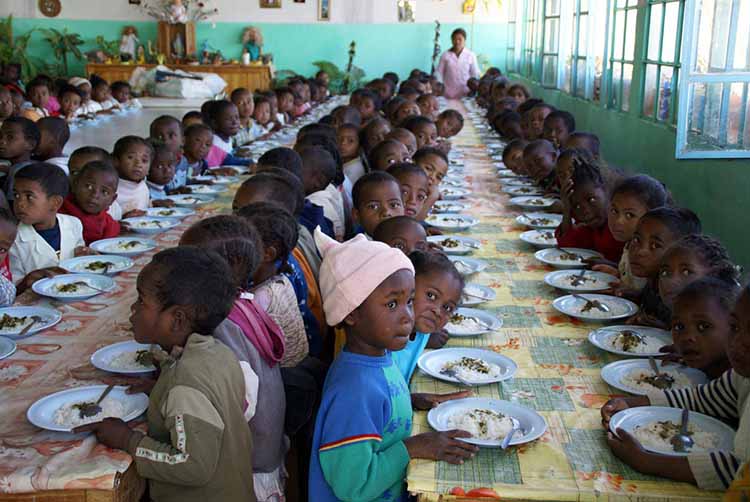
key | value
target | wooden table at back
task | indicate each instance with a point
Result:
(253, 77)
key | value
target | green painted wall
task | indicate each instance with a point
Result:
(380, 47)
(717, 190)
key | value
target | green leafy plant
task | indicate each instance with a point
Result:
(282, 76)
(484, 63)
(337, 77)
(64, 43)
(109, 47)
(16, 50)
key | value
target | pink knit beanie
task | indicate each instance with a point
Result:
(352, 270)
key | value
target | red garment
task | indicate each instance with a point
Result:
(95, 226)
(5, 268)
(599, 239)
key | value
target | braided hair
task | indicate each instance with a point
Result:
(650, 191)
(429, 262)
(724, 292)
(712, 254)
(277, 229)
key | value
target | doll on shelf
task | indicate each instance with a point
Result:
(129, 43)
(252, 41)
(177, 12)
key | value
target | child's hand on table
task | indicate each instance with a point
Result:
(222, 171)
(612, 406)
(84, 251)
(423, 401)
(163, 203)
(441, 446)
(438, 339)
(629, 450)
(111, 432)
(36, 275)
(184, 190)
(135, 213)
(604, 268)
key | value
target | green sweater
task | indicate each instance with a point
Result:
(198, 446)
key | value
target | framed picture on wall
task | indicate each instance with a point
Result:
(324, 10)
(270, 4)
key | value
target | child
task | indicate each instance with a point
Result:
(44, 237)
(249, 129)
(82, 156)
(19, 137)
(262, 115)
(8, 231)
(558, 126)
(70, 102)
(434, 162)
(272, 289)
(437, 294)
(508, 125)
(285, 100)
(37, 92)
(121, 92)
(539, 160)
(657, 230)
(405, 137)
(101, 93)
(346, 115)
(519, 92)
(224, 120)
(536, 116)
(198, 142)
(6, 104)
(428, 106)
(318, 172)
(92, 192)
(385, 153)
(347, 139)
(415, 187)
(368, 288)
(587, 203)
(256, 340)
(192, 117)
(367, 102)
(391, 107)
(423, 129)
(449, 123)
(167, 130)
(160, 175)
(701, 324)
(404, 111)
(132, 160)
(402, 232)
(725, 398)
(373, 133)
(513, 156)
(584, 140)
(198, 445)
(376, 197)
(88, 106)
(53, 135)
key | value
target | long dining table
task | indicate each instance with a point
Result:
(558, 369)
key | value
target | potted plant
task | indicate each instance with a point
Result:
(63, 43)
(15, 50)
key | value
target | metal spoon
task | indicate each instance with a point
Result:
(682, 442)
(592, 304)
(507, 439)
(450, 372)
(35, 319)
(84, 283)
(661, 380)
(91, 409)
(577, 279)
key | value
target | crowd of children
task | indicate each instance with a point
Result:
(329, 285)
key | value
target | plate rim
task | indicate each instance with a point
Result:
(556, 305)
(634, 360)
(117, 371)
(592, 336)
(427, 354)
(34, 330)
(476, 313)
(108, 289)
(562, 271)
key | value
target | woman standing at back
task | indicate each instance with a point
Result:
(457, 66)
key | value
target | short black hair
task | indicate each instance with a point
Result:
(347, 114)
(216, 108)
(162, 119)
(372, 178)
(283, 158)
(404, 168)
(378, 150)
(516, 143)
(50, 177)
(429, 150)
(120, 84)
(520, 87)
(328, 143)
(28, 128)
(713, 254)
(725, 292)
(454, 114)
(416, 121)
(529, 104)
(280, 91)
(317, 128)
(365, 93)
(548, 106)
(587, 173)
(280, 187)
(103, 154)
(69, 89)
(192, 114)
(37, 82)
(385, 228)
(276, 226)
(192, 277)
(240, 90)
(122, 145)
(193, 129)
(8, 216)
(650, 191)
(427, 263)
(318, 160)
(366, 146)
(680, 221)
(591, 140)
(57, 126)
(459, 31)
(392, 76)
(98, 166)
(232, 237)
(568, 119)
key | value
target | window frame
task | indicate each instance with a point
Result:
(622, 61)
(529, 50)
(512, 56)
(543, 53)
(689, 77)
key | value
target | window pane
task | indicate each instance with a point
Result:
(630, 35)
(654, 31)
(627, 78)
(719, 117)
(551, 35)
(650, 90)
(549, 71)
(582, 36)
(553, 8)
(581, 80)
(619, 27)
(665, 92)
(616, 84)
(742, 47)
(671, 32)
(584, 5)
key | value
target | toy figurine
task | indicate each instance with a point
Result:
(129, 43)
(178, 47)
(141, 59)
(177, 12)
(252, 40)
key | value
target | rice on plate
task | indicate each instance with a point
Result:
(482, 423)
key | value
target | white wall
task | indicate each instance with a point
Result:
(248, 11)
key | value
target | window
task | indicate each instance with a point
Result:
(661, 59)
(529, 38)
(511, 58)
(714, 117)
(551, 42)
(622, 55)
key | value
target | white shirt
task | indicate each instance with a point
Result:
(333, 208)
(224, 145)
(31, 252)
(455, 70)
(61, 162)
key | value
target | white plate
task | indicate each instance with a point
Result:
(123, 246)
(522, 190)
(460, 245)
(433, 361)
(79, 264)
(42, 412)
(655, 339)
(190, 200)
(593, 281)
(506, 173)
(7, 347)
(169, 212)
(539, 220)
(49, 286)
(150, 225)
(518, 182)
(206, 189)
(539, 238)
(553, 257)
(631, 418)
(453, 193)
(613, 374)
(455, 222)
(240, 170)
(489, 323)
(102, 358)
(479, 294)
(533, 202)
(532, 423)
(50, 317)
(217, 180)
(449, 206)
(468, 266)
(619, 308)
(452, 182)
